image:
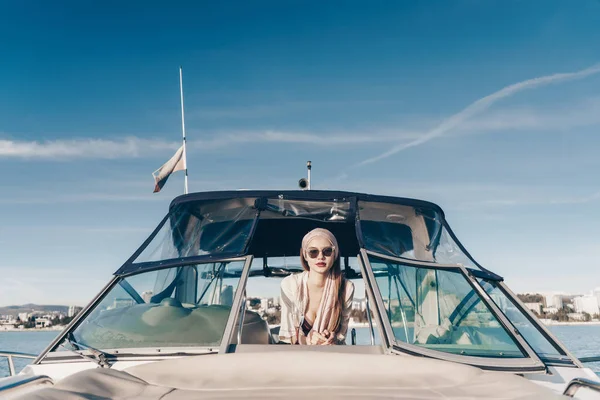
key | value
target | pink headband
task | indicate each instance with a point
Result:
(323, 233)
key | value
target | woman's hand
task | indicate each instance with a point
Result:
(316, 338)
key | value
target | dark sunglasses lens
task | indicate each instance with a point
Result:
(313, 253)
(327, 251)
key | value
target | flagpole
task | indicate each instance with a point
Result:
(183, 129)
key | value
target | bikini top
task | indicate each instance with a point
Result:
(305, 326)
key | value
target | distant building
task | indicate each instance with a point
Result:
(264, 304)
(43, 322)
(587, 304)
(554, 300)
(359, 304)
(576, 316)
(549, 310)
(596, 292)
(73, 311)
(7, 321)
(535, 307)
(24, 317)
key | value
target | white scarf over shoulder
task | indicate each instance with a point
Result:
(294, 303)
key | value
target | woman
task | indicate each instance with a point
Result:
(316, 303)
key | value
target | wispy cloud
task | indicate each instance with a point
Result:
(481, 105)
(574, 115)
(82, 148)
(61, 150)
(272, 136)
(78, 198)
(469, 121)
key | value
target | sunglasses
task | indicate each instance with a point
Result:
(314, 252)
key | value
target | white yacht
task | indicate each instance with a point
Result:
(194, 312)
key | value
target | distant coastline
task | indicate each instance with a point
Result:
(350, 325)
(57, 328)
(554, 323)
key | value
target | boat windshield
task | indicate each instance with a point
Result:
(221, 227)
(239, 226)
(176, 294)
(540, 344)
(174, 307)
(438, 309)
(415, 233)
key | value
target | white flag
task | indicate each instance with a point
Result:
(176, 163)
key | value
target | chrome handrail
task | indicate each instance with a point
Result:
(242, 315)
(578, 383)
(589, 359)
(9, 358)
(371, 332)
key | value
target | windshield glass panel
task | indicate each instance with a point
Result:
(200, 228)
(438, 309)
(398, 230)
(415, 233)
(329, 211)
(532, 335)
(182, 306)
(447, 251)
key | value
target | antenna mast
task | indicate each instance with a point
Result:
(308, 166)
(183, 129)
(303, 182)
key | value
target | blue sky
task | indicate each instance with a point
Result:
(412, 100)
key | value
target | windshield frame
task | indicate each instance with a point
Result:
(131, 266)
(118, 354)
(548, 335)
(530, 363)
(261, 201)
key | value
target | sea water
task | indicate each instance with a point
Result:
(32, 342)
(581, 340)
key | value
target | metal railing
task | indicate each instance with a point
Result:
(589, 359)
(13, 354)
(579, 383)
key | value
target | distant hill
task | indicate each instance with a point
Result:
(15, 310)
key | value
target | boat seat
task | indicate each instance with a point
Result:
(255, 330)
